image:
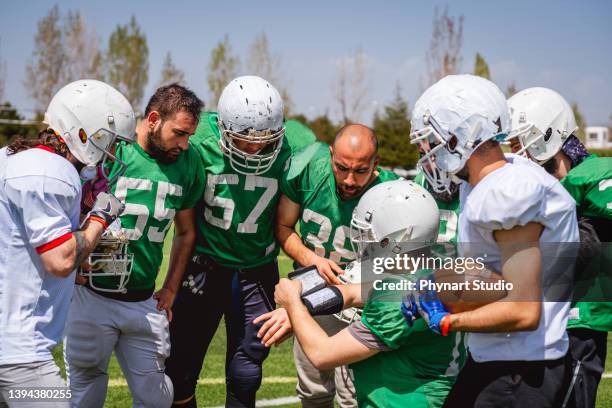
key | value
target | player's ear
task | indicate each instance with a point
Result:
(331, 150)
(153, 119)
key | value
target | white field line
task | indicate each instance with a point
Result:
(120, 382)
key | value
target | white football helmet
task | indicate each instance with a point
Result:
(90, 116)
(251, 110)
(395, 217)
(451, 120)
(111, 258)
(541, 120)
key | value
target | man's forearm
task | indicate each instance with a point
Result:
(182, 247)
(293, 246)
(86, 240)
(311, 336)
(500, 316)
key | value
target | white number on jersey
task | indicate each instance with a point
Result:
(325, 227)
(161, 213)
(249, 225)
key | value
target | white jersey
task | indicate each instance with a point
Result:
(40, 194)
(516, 194)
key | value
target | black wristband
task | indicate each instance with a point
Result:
(326, 301)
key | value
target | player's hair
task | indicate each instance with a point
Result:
(46, 138)
(170, 99)
(487, 146)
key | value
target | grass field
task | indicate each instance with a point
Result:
(279, 371)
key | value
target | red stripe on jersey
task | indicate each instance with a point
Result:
(47, 148)
(52, 244)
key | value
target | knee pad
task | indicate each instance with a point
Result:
(251, 345)
(154, 390)
(84, 347)
(244, 376)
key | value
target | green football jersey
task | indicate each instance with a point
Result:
(152, 192)
(235, 218)
(422, 366)
(590, 184)
(449, 221)
(324, 216)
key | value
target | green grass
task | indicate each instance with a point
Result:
(278, 364)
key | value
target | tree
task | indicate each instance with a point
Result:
(393, 131)
(263, 63)
(580, 122)
(222, 68)
(511, 89)
(128, 61)
(12, 124)
(170, 73)
(481, 68)
(82, 55)
(322, 126)
(351, 88)
(44, 71)
(444, 55)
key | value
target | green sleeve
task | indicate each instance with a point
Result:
(290, 184)
(196, 186)
(382, 314)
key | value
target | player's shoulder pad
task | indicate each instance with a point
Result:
(592, 168)
(387, 175)
(510, 196)
(298, 135)
(207, 129)
(311, 155)
(39, 163)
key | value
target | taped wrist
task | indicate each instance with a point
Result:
(325, 301)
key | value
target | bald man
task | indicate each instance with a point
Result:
(320, 189)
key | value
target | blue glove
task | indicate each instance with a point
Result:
(430, 308)
(409, 308)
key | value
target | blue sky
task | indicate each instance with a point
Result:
(565, 45)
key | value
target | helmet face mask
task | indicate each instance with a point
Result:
(251, 163)
(451, 120)
(432, 143)
(352, 275)
(108, 155)
(542, 120)
(250, 113)
(110, 259)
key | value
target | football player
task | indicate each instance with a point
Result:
(41, 241)
(394, 363)
(244, 148)
(544, 125)
(321, 188)
(512, 211)
(162, 184)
